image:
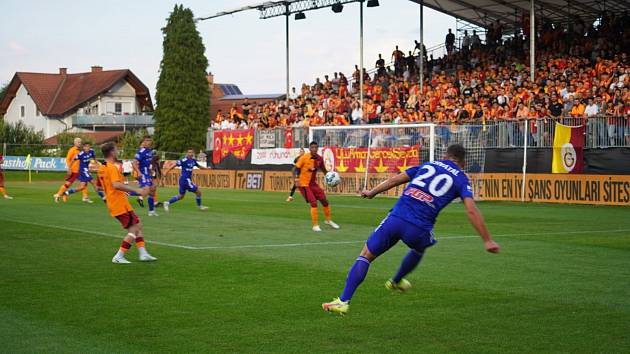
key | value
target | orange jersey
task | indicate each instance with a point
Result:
(308, 167)
(117, 202)
(70, 161)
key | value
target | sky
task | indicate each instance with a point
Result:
(43, 35)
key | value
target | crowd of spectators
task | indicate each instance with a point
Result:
(582, 72)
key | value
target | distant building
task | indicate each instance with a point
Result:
(99, 100)
(223, 96)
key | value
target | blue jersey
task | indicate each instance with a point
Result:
(187, 166)
(433, 186)
(84, 160)
(144, 157)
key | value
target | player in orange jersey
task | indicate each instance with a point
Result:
(305, 174)
(3, 192)
(112, 181)
(73, 171)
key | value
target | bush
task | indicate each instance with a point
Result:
(21, 139)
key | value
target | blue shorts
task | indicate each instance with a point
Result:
(392, 229)
(186, 185)
(85, 176)
(145, 181)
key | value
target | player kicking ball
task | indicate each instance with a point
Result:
(84, 157)
(187, 164)
(305, 175)
(113, 183)
(73, 170)
(433, 186)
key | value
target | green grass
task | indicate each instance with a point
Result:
(561, 283)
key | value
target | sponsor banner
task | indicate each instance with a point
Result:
(235, 142)
(266, 139)
(382, 160)
(277, 156)
(213, 179)
(351, 183)
(550, 188)
(252, 180)
(37, 163)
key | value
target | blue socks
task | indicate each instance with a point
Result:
(198, 200)
(101, 194)
(151, 203)
(173, 200)
(72, 191)
(408, 264)
(355, 277)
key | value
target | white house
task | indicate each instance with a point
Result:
(95, 100)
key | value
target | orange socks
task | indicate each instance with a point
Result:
(327, 212)
(62, 189)
(2, 191)
(84, 192)
(314, 216)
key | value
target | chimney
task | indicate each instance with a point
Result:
(97, 69)
(63, 71)
(210, 78)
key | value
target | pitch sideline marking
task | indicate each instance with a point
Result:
(174, 245)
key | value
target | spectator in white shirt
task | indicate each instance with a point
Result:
(591, 108)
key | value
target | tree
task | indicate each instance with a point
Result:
(3, 91)
(21, 139)
(182, 95)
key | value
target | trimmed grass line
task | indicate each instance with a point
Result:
(306, 243)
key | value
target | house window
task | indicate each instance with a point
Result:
(118, 108)
(22, 111)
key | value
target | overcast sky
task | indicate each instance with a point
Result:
(43, 35)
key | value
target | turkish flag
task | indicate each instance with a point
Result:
(288, 138)
(218, 146)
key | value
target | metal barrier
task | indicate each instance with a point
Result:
(601, 132)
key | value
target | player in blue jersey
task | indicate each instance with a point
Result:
(186, 184)
(432, 186)
(142, 167)
(85, 157)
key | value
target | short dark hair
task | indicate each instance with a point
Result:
(107, 149)
(456, 152)
(146, 137)
(313, 143)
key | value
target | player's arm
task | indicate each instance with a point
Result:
(135, 164)
(476, 220)
(125, 188)
(386, 185)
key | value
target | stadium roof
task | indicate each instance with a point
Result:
(484, 12)
(270, 96)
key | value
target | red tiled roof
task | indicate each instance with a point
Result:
(58, 94)
(98, 137)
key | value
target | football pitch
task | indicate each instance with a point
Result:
(249, 275)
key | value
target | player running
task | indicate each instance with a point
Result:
(85, 157)
(187, 164)
(2, 190)
(290, 197)
(142, 167)
(433, 186)
(305, 175)
(111, 180)
(73, 170)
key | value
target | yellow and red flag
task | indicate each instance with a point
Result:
(568, 146)
(236, 142)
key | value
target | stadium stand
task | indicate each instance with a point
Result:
(583, 76)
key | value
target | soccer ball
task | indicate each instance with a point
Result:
(332, 179)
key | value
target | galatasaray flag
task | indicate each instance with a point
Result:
(568, 144)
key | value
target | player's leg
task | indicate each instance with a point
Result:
(321, 196)
(197, 192)
(143, 255)
(307, 193)
(151, 198)
(418, 240)
(3, 191)
(178, 197)
(382, 239)
(70, 178)
(127, 220)
(290, 197)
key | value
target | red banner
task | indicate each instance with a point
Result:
(236, 142)
(393, 160)
(288, 138)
